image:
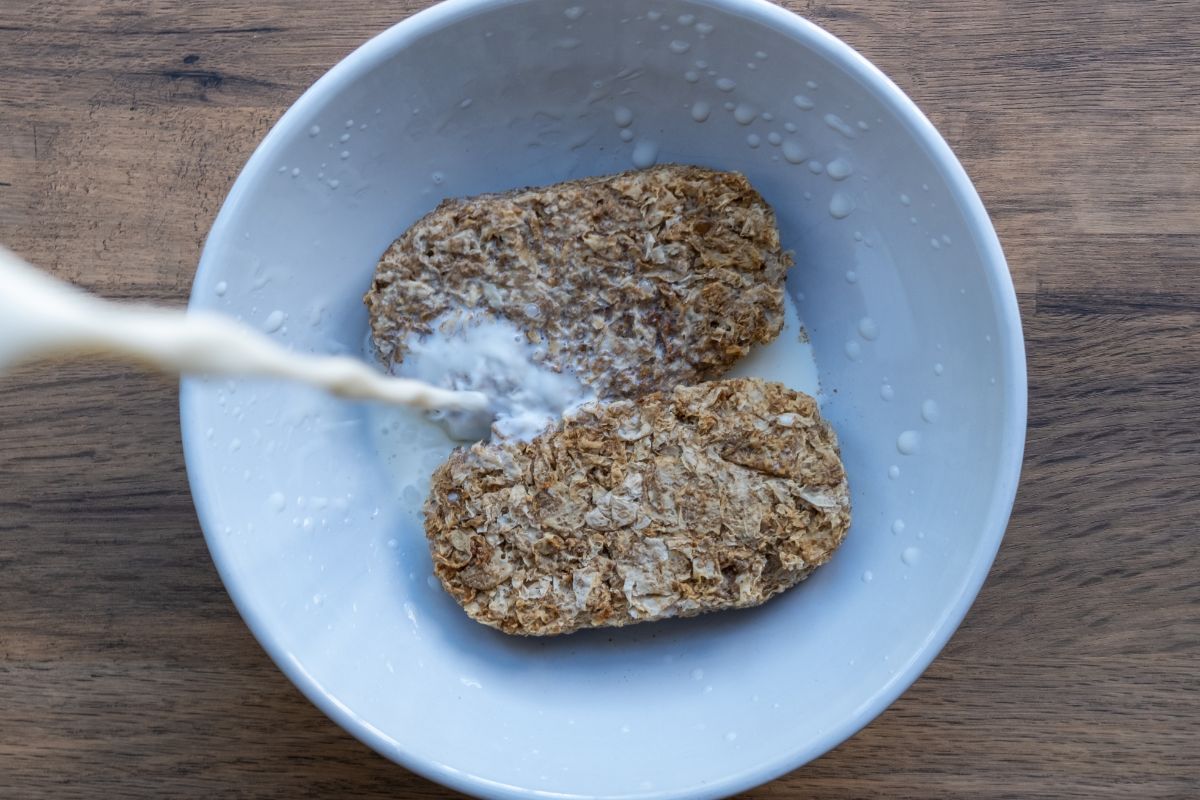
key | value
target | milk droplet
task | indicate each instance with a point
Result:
(691, 76)
(905, 200)
(938, 369)
(935, 244)
(704, 28)
(839, 169)
(910, 556)
(893, 472)
(851, 276)
(274, 321)
(790, 127)
(840, 205)
(645, 153)
(697, 674)
(701, 110)
(745, 114)
(767, 116)
(946, 239)
(626, 135)
(754, 140)
(839, 125)
(465, 104)
(573, 13)
(868, 576)
(315, 130)
(908, 443)
(863, 126)
(345, 154)
(235, 445)
(686, 19)
(295, 172)
(277, 501)
(773, 137)
(729, 737)
(887, 392)
(349, 123)
(221, 288)
(815, 167)
(794, 151)
(701, 64)
(811, 84)
(726, 84)
(898, 527)
(730, 105)
(930, 411)
(868, 329)
(803, 102)
(653, 15)
(335, 183)
(345, 137)
(679, 46)
(623, 116)
(853, 350)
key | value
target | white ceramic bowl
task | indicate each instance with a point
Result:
(901, 283)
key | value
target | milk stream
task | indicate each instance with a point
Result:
(41, 317)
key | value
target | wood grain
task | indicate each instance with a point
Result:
(126, 672)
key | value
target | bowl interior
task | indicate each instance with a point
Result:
(900, 284)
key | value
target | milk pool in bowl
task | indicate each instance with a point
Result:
(311, 506)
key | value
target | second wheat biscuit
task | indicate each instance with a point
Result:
(637, 282)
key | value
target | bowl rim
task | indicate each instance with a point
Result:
(1013, 371)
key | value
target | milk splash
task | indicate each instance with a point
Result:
(470, 352)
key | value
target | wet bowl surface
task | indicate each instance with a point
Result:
(901, 285)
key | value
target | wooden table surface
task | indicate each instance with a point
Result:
(125, 670)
